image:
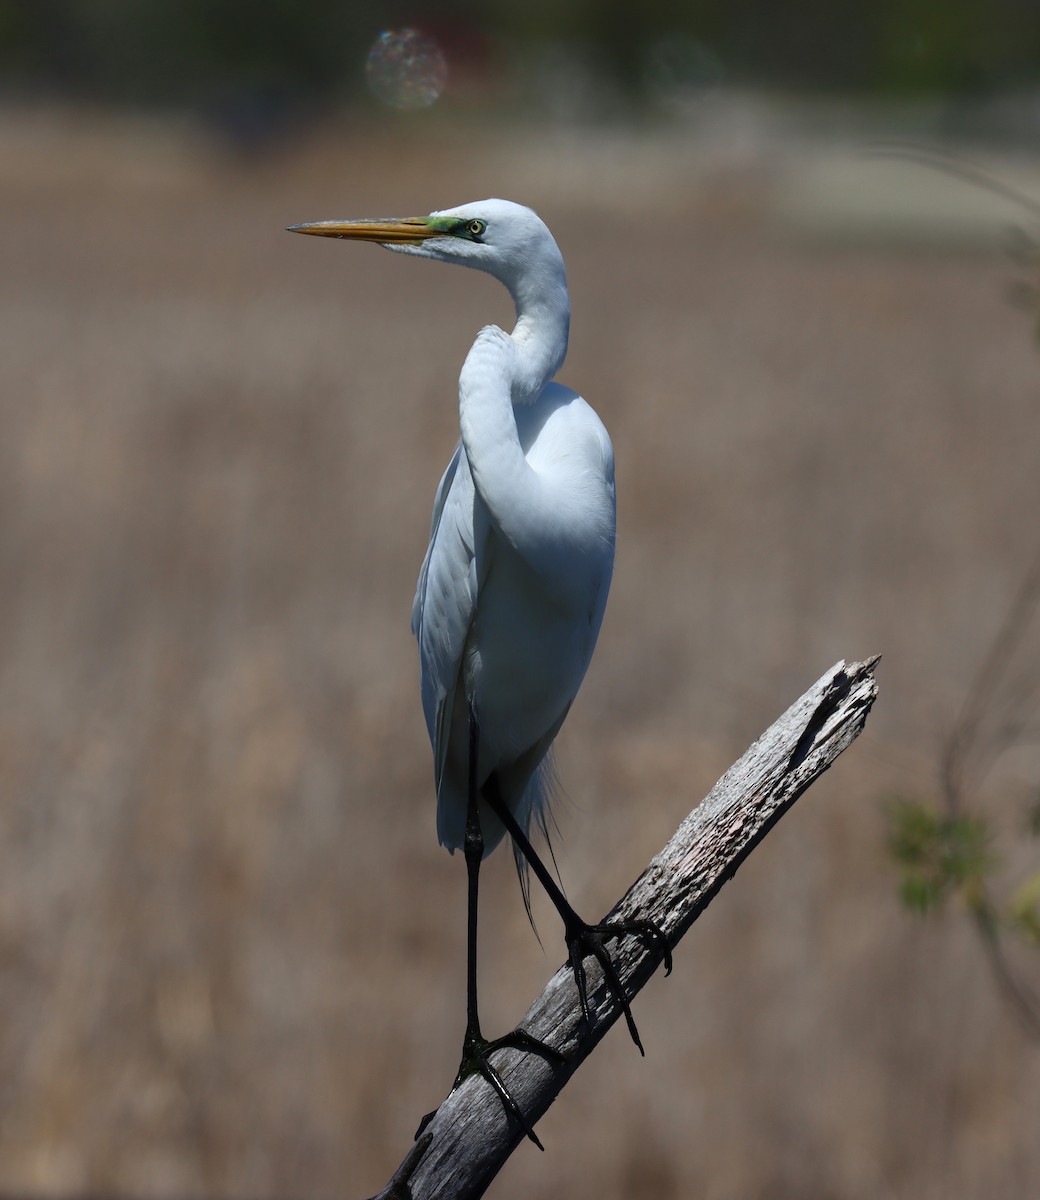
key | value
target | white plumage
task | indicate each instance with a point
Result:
(514, 584)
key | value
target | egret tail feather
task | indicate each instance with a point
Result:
(540, 803)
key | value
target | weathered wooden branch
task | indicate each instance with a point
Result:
(471, 1136)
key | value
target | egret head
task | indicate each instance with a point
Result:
(505, 239)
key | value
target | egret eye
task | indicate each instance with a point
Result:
(476, 227)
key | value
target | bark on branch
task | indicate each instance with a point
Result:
(471, 1136)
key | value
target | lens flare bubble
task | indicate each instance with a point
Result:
(405, 69)
(680, 72)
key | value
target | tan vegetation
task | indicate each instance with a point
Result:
(232, 952)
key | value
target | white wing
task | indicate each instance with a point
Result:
(438, 507)
(446, 599)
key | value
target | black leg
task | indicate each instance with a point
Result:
(473, 849)
(582, 939)
(476, 1049)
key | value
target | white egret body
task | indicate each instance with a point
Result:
(513, 587)
(512, 592)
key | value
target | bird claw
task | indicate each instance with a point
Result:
(588, 940)
(476, 1060)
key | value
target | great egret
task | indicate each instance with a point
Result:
(514, 583)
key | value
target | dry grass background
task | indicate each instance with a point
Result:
(232, 953)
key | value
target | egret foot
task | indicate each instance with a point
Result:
(476, 1049)
(584, 941)
(476, 1060)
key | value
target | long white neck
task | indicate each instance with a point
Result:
(503, 371)
(543, 319)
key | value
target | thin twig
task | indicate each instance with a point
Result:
(966, 746)
(958, 167)
(1021, 998)
(965, 738)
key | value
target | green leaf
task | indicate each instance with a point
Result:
(940, 855)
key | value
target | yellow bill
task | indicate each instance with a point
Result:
(390, 231)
